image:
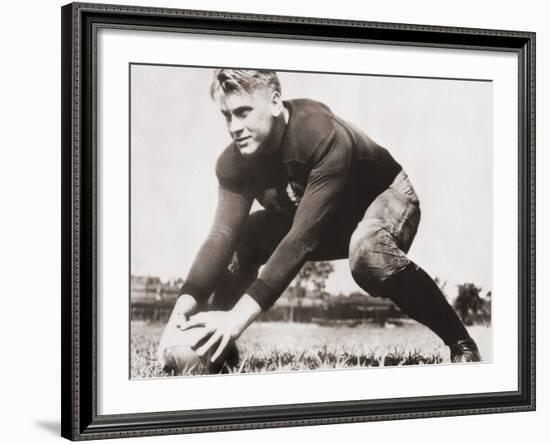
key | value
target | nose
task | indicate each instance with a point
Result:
(235, 127)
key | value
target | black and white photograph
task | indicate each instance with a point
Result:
(299, 221)
(275, 222)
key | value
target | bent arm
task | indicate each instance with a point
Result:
(215, 253)
(324, 187)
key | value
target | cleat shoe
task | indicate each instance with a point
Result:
(465, 350)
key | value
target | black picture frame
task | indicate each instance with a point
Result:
(80, 420)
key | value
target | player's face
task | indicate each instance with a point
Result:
(250, 118)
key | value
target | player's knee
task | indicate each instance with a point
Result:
(369, 264)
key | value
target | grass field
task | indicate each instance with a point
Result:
(281, 346)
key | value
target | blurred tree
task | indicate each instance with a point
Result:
(314, 276)
(468, 303)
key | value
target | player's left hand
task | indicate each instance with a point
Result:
(220, 327)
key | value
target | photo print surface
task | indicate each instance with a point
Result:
(293, 221)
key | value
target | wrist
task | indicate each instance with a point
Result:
(245, 311)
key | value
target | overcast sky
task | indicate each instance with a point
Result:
(440, 131)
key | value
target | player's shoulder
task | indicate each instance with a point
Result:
(311, 120)
(229, 165)
(311, 123)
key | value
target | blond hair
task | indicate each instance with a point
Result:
(243, 81)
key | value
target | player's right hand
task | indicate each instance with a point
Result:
(185, 306)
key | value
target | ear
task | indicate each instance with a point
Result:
(276, 104)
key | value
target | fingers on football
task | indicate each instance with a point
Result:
(203, 349)
(191, 323)
(221, 347)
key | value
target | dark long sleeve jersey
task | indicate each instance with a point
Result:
(326, 172)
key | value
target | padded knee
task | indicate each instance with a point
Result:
(374, 256)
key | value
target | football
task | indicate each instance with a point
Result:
(175, 354)
(182, 360)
